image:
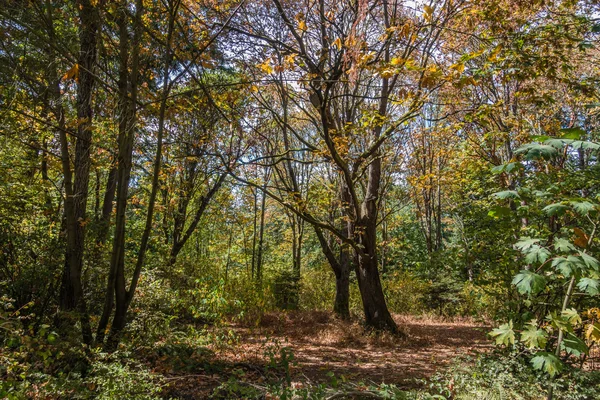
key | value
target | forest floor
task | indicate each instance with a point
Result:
(316, 347)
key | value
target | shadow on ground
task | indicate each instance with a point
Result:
(322, 344)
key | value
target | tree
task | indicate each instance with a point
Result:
(348, 72)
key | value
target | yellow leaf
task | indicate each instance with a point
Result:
(458, 67)
(592, 332)
(494, 55)
(302, 25)
(428, 12)
(396, 61)
(386, 73)
(72, 73)
(338, 43)
(404, 31)
(291, 58)
(266, 67)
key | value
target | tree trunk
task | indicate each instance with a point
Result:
(341, 269)
(371, 292)
(180, 237)
(107, 205)
(254, 231)
(341, 306)
(77, 199)
(260, 250)
(127, 105)
(124, 296)
(365, 235)
(297, 225)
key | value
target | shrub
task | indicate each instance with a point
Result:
(501, 376)
(404, 292)
(111, 378)
(286, 288)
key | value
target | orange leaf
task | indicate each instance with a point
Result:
(72, 73)
(582, 239)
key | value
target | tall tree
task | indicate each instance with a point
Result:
(350, 59)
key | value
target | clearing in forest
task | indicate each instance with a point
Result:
(319, 347)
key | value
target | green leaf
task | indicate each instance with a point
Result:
(507, 194)
(579, 144)
(525, 243)
(528, 282)
(590, 261)
(534, 151)
(563, 245)
(534, 337)
(504, 334)
(567, 266)
(547, 362)
(508, 168)
(557, 143)
(498, 169)
(571, 316)
(573, 345)
(513, 165)
(499, 211)
(590, 286)
(537, 254)
(555, 209)
(572, 133)
(540, 138)
(51, 337)
(583, 207)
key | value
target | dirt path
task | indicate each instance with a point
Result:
(322, 344)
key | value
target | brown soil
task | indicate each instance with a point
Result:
(322, 343)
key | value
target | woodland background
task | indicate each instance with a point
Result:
(179, 178)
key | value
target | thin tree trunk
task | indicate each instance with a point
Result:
(254, 232)
(124, 296)
(107, 205)
(97, 194)
(260, 250)
(228, 253)
(124, 163)
(180, 240)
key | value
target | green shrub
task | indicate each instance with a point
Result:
(286, 288)
(404, 292)
(511, 377)
(111, 378)
(317, 289)
(487, 301)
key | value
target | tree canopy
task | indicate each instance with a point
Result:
(184, 163)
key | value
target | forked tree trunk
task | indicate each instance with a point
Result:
(181, 236)
(377, 314)
(127, 106)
